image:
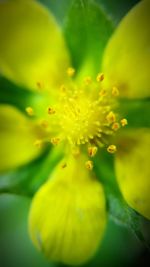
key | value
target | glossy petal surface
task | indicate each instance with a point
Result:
(32, 49)
(126, 61)
(17, 137)
(68, 216)
(133, 171)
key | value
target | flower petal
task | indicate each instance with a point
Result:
(32, 49)
(17, 137)
(133, 172)
(68, 215)
(126, 60)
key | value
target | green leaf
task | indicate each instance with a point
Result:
(21, 98)
(12, 94)
(118, 209)
(116, 9)
(58, 10)
(87, 30)
(87, 26)
(27, 179)
(137, 112)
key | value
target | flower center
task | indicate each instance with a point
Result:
(80, 117)
(83, 115)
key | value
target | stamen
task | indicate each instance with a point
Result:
(92, 151)
(103, 92)
(124, 122)
(70, 72)
(83, 118)
(111, 117)
(111, 149)
(55, 141)
(89, 165)
(115, 126)
(29, 111)
(100, 77)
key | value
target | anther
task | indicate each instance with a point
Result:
(29, 111)
(115, 126)
(102, 92)
(111, 149)
(124, 122)
(115, 91)
(89, 165)
(92, 151)
(51, 111)
(111, 117)
(70, 72)
(100, 77)
(55, 141)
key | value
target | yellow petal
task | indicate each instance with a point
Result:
(126, 61)
(68, 216)
(32, 49)
(133, 170)
(17, 137)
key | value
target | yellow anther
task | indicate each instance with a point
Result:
(124, 122)
(115, 91)
(38, 143)
(100, 77)
(103, 92)
(70, 72)
(29, 111)
(87, 80)
(92, 151)
(111, 117)
(51, 111)
(55, 140)
(111, 149)
(44, 123)
(89, 165)
(115, 126)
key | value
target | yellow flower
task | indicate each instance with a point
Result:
(81, 115)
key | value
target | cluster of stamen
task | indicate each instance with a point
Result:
(84, 117)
